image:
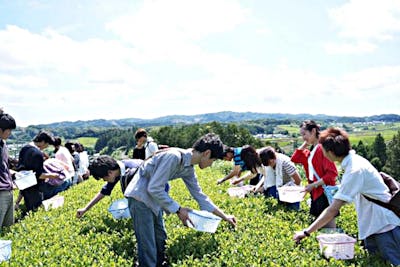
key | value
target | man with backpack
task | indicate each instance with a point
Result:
(378, 226)
(148, 199)
(110, 170)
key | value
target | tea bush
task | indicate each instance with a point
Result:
(263, 236)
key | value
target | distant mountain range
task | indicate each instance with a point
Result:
(222, 117)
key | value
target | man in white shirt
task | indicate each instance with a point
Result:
(378, 227)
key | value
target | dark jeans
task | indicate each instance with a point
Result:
(49, 190)
(150, 234)
(386, 244)
(32, 197)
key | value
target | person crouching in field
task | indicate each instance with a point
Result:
(379, 227)
(148, 199)
(279, 170)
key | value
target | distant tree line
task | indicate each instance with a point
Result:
(177, 136)
(384, 156)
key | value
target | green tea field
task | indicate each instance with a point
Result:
(263, 236)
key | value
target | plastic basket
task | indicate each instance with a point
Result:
(203, 221)
(119, 209)
(339, 246)
(5, 250)
(291, 194)
(240, 191)
(25, 179)
(53, 203)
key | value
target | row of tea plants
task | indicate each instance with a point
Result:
(263, 236)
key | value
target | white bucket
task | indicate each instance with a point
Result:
(339, 246)
(240, 191)
(119, 209)
(25, 179)
(291, 194)
(5, 250)
(203, 221)
(54, 202)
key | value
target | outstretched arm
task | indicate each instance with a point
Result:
(235, 172)
(91, 203)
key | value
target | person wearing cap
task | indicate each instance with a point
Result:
(148, 199)
(7, 124)
(31, 158)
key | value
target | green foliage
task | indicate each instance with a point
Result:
(393, 157)
(379, 150)
(175, 136)
(361, 149)
(114, 139)
(263, 236)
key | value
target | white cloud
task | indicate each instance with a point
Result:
(169, 30)
(364, 24)
(368, 19)
(350, 48)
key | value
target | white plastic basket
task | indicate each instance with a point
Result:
(203, 221)
(25, 179)
(5, 250)
(339, 246)
(53, 203)
(119, 209)
(240, 191)
(291, 194)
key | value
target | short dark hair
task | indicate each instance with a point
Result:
(140, 133)
(100, 166)
(45, 136)
(79, 147)
(267, 154)
(6, 121)
(250, 158)
(57, 141)
(335, 140)
(309, 125)
(212, 142)
(70, 146)
(227, 149)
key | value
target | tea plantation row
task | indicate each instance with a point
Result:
(263, 236)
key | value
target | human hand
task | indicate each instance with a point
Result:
(220, 181)
(183, 215)
(236, 181)
(309, 188)
(298, 236)
(80, 212)
(231, 220)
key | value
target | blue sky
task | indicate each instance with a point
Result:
(82, 60)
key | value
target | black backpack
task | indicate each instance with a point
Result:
(394, 188)
(128, 175)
